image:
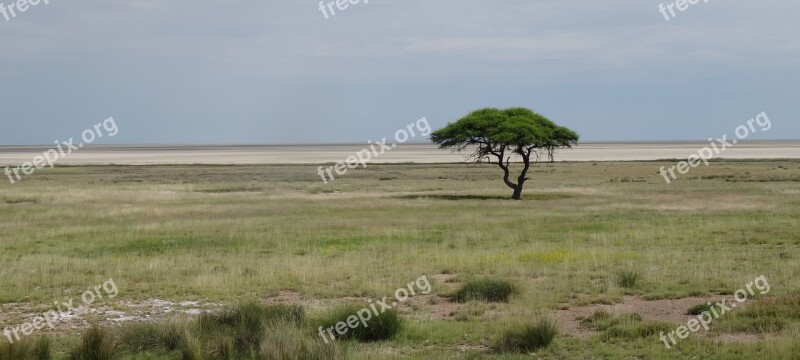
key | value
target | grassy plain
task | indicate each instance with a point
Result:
(234, 233)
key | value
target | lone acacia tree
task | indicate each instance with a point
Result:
(496, 134)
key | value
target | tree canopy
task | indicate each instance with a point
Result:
(496, 134)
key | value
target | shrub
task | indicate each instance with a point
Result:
(384, 326)
(96, 344)
(485, 290)
(527, 338)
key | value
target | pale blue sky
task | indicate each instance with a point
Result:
(261, 72)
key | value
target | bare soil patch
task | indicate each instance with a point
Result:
(673, 311)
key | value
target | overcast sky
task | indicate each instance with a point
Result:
(262, 72)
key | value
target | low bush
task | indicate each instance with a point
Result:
(527, 338)
(381, 327)
(490, 290)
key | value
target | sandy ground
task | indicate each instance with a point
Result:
(417, 153)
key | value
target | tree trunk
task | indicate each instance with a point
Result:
(517, 193)
(526, 159)
(523, 176)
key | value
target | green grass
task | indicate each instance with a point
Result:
(244, 233)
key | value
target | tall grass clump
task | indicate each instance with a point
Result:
(25, 349)
(41, 350)
(527, 338)
(286, 341)
(191, 348)
(245, 324)
(381, 327)
(491, 290)
(627, 279)
(248, 331)
(143, 337)
(96, 344)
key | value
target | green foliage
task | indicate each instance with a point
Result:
(527, 338)
(381, 327)
(491, 129)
